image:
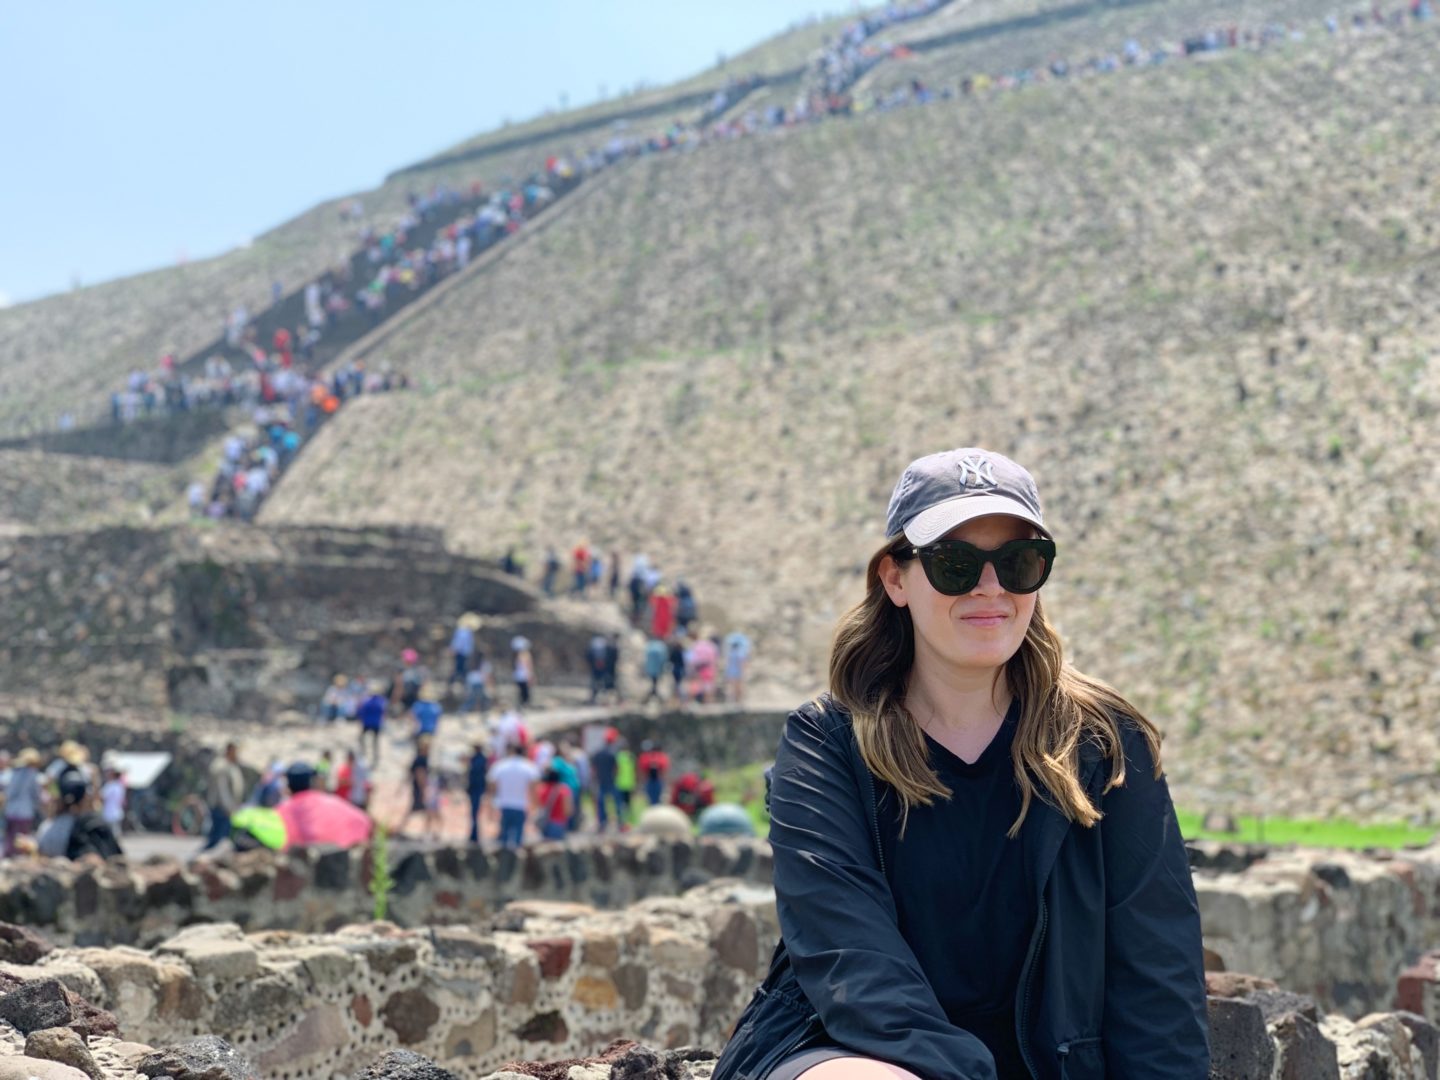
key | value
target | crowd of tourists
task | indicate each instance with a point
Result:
(394, 267)
(683, 662)
(291, 408)
(68, 807)
(845, 59)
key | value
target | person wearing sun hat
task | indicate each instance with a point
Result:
(978, 870)
(23, 797)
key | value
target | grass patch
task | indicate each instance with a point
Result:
(1338, 832)
(746, 786)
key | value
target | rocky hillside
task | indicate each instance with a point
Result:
(68, 352)
(1199, 300)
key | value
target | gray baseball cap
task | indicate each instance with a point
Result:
(940, 491)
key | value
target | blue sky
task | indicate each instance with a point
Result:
(140, 132)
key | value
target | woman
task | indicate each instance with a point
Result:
(978, 870)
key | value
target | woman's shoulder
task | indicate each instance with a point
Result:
(822, 710)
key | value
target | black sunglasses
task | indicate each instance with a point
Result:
(954, 566)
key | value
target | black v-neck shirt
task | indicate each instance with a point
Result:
(963, 891)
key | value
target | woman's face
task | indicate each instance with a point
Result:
(979, 630)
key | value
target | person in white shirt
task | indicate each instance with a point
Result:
(112, 800)
(512, 783)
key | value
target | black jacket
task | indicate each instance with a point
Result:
(1113, 983)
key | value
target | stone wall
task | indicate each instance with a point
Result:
(540, 982)
(123, 903)
(164, 439)
(1338, 926)
(1333, 924)
(236, 621)
(543, 981)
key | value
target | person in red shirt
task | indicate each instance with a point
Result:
(580, 560)
(692, 793)
(662, 612)
(553, 797)
(282, 346)
(653, 764)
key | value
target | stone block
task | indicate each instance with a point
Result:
(600, 948)
(595, 993)
(63, 1045)
(544, 1027)
(519, 983)
(24, 1067)
(477, 863)
(1232, 984)
(404, 1065)
(1415, 990)
(1394, 1032)
(319, 1033)
(676, 951)
(682, 854)
(447, 863)
(553, 910)
(206, 1057)
(735, 939)
(410, 873)
(553, 955)
(222, 961)
(33, 1006)
(21, 945)
(410, 1014)
(1424, 1037)
(633, 982)
(473, 1039)
(1240, 1046)
(463, 946)
(1276, 1003)
(167, 885)
(1305, 1053)
(332, 871)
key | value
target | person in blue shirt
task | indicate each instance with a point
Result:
(427, 712)
(371, 714)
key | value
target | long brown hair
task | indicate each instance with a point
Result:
(1061, 708)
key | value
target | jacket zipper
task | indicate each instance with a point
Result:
(875, 818)
(1025, 995)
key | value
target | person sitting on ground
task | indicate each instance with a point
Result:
(692, 792)
(978, 870)
(77, 829)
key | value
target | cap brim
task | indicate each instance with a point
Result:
(931, 524)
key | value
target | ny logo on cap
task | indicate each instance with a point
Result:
(977, 470)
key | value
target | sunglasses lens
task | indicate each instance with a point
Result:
(954, 572)
(1021, 571)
